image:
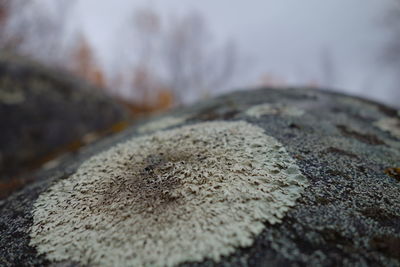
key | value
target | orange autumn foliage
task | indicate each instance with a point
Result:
(84, 63)
(164, 101)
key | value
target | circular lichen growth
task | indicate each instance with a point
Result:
(179, 195)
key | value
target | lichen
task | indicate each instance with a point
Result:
(161, 123)
(11, 97)
(173, 196)
(274, 109)
(366, 138)
(390, 125)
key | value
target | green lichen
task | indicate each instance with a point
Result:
(274, 109)
(180, 195)
(390, 125)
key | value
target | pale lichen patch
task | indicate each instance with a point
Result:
(161, 123)
(186, 194)
(11, 97)
(391, 125)
(274, 109)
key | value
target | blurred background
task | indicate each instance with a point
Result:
(153, 55)
(74, 71)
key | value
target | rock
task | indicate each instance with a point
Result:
(43, 112)
(348, 212)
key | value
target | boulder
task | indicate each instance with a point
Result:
(268, 177)
(44, 112)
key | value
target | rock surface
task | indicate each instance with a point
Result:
(43, 111)
(348, 215)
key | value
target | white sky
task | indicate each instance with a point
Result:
(286, 38)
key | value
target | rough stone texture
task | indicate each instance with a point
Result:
(207, 187)
(43, 111)
(349, 215)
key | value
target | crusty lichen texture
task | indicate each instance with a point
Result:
(186, 194)
(161, 123)
(274, 109)
(391, 125)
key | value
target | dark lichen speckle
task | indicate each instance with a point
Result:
(388, 245)
(340, 152)
(382, 216)
(214, 113)
(393, 172)
(365, 138)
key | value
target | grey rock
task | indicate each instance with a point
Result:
(43, 111)
(349, 215)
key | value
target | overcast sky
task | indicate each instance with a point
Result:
(286, 38)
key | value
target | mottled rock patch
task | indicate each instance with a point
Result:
(44, 111)
(274, 109)
(161, 123)
(391, 125)
(349, 215)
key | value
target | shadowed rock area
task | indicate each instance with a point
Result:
(349, 215)
(43, 112)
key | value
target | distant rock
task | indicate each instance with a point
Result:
(192, 169)
(44, 111)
